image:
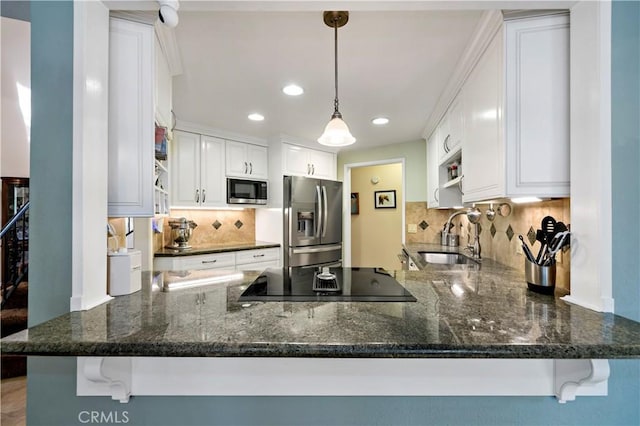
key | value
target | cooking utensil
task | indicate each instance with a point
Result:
(490, 213)
(554, 247)
(549, 229)
(526, 250)
(540, 236)
(474, 215)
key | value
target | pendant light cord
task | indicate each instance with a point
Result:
(336, 113)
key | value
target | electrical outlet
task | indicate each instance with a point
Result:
(412, 228)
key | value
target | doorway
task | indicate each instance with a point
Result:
(374, 222)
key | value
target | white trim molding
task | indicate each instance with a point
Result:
(346, 202)
(590, 152)
(121, 378)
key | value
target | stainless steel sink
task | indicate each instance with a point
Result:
(446, 258)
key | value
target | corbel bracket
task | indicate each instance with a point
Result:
(575, 375)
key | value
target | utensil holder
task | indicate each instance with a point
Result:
(541, 279)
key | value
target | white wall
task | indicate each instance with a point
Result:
(16, 70)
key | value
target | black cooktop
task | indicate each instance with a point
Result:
(354, 285)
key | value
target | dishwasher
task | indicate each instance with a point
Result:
(407, 263)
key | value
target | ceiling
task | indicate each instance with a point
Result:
(391, 64)
(395, 59)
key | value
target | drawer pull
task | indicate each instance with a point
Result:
(258, 255)
(136, 268)
(210, 261)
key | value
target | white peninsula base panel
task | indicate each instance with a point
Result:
(122, 377)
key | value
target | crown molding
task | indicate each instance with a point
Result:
(188, 126)
(490, 23)
(169, 45)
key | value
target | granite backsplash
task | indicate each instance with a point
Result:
(499, 239)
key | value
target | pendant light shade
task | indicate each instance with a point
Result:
(336, 133)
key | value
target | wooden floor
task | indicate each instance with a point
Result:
(13, 405)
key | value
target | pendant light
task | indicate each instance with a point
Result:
(336, 133)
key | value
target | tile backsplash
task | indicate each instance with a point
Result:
(214, 226)
(499, 239)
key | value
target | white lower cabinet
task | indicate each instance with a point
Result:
(201, 261)
(256, 260)
(242, 260)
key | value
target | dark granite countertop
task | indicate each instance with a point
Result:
(483, 311)
(214, 248)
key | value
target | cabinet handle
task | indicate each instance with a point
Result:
(446, 144)
(250, 168)
(245, 167)
(197, 196)
(204, 195)
(308, 168)
(435, 194)
(210, 261)
(258, 255)
(313, 169)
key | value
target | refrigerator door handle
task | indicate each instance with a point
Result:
(320, 213)
(325, 212)
(300, 250)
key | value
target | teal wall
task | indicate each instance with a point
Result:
(414, 154)
(51, 386)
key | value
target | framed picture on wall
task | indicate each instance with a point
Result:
(355, 203)
(385, 199)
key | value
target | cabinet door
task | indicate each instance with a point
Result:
(456, 124)
(323, 164)
(443, 137)
(432, 171)
(537, 109)
(257, 159)
(237, 163)
(213, 187)
(484, 169)
(131, 128)
(296, 160)
(185, 169)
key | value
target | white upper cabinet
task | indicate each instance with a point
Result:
(482, 146)
(537, 106)
(516, 120)
(433, 160)
(131, 119)
(246, 160)
(197, 171)
(301, 161)
(455, 116)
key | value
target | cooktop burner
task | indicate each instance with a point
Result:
(312, 284)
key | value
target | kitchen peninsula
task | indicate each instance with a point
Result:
(482, 312)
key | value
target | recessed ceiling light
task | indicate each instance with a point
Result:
(293, 90)
(380, 121)
(255, 117)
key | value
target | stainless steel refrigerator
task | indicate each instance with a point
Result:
(312, 222)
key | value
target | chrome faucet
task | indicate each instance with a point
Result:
(474, 215)
(475, 248)
(445, 231)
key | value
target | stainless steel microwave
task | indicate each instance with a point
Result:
(244, 191)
